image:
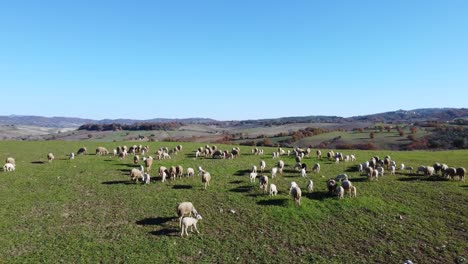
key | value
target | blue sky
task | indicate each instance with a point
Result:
(231, 60)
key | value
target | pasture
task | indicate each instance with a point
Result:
(88, 210)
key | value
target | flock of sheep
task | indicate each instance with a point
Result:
(338, 185)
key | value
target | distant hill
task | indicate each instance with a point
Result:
(403, 116)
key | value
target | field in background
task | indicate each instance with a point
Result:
(87, 210)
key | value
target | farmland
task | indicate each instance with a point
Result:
(87, 210)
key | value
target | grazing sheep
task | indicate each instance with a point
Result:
(122, 155)
(341, 177)
(353, 191)
(450, 172)
(310, 185)
(319, 154)
(359, 168)
(273, 190)
(291, 186)
(81, 150)
(179, 171)
(148, 163)
(263, 180)
(189, 222)
(72, 155)
(102, 151)
(146, 178)
(136, 159)
(461, 173)
(331, 184)
(296, 194)
(303, 173)
(190, 172)
(374, 175)
(381, 171)
(185, 208)
(9, 167)
(437, 167)
(402, 166)
(253, 176)
(274, 171)
(339, 191)
(316, 168)
(10, 160)
(298, 166)
(409, 170)
(50, 157)
(429, 171)
(172, 172)
(262, 165)
(254, 168)
(280, 166)
(163, 173)
(136, 174)
(392, 170)
(421, 169)
(206, 177)
(166, 155)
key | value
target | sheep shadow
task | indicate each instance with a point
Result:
(154, 221)
(118, 182)
(428, 179)
(362, 179)
(236, 182)
(38, 162)
(190, 155)
(182, 187)
(131, 165)
(274, 202)
(319, 196)
(242, 189)
(165, 232)
(242, 172)
(255, 195)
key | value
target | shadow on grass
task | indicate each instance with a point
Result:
(117, 182)
(421, 178)
(236, 182)
(241, 189)
(362, 179)
(131, 165)
(38, 162)
(319, 196)
(182, 187)
(242, 172)
(154, 221)
(255, 195)
(166, 232)
(190, 155)
(274, 202)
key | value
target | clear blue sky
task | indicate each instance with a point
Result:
(231, 59)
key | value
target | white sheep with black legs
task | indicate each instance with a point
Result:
(303, 173)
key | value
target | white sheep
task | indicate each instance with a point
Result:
(274, 171)
(189, 222)
(262, 165)
(316, 168)
(185, 208)
(280, 166)
(263, 180)
(392, 170)
(402, 166)
(303, 172)
(353, 191)
(146, 178)
(339, 191)
(206, 177)
(9, 167)
(190, 172)
(296, 194)
(253, 176)
(72, 155)
(341, 177)
(10, 160)
(381, 171)
(291, 186)
(50, 157)
(310, 185)
(273, 190)
(254, 168)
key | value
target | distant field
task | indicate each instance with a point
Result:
(87, 210)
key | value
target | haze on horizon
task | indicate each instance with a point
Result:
(231, 61)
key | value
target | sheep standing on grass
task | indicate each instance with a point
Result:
(10, 160)
(291, 186)
(206, 177)
(296, 194)
(72, 155)
(263, 180)
(392, 170)
(190, 172)
(331, 184)
(50, 157)
(273, 190)
(81, 150)
(303, 173)
(339, 191)
(310, 186)
(280, 166)
(316, 168)
(136, 174)
(146, 178)
(148, 162)
(254, 168)
(189, 222)
(136, 159)
(185, 208)
(274, 171)
(461, 173)
(253, 176)
(409, 170)
(262, 165)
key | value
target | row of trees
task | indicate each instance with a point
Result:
(136, 126)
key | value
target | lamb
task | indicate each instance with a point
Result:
(71, 155)
(148, 163)
(81, 150)
(122, 155)
(402, 166)
(429, 171)
(310, 186)
(166, 156)
(172, 172)
(253, 176)
(50, 157)
(190, 172)
(319, 154)
(409, 169)
(189, 222)
(348, 187)
(263, 180)
(163, 173)
(353, 191)
(185, 208)
(316, 168)
(10, 160)
(421, 169)
(274, 171)
(303, 173)
(146, 178)
(381, 171)
(296, 194)
(262, 165)
(273, 190)
(450, 172)
(9, 167)
(339, 191)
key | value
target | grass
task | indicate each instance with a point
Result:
(87, 210)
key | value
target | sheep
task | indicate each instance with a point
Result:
(298, 166)
(9, 167)
(163, 173)
(319, 154)
(421, 169)
(316, 168)
(337, 160)
(341, 177)
(136, 174)
(189, 222)
(206, 177)
(310, 185)
(172, 172)
(296, 194)
(50, 157)
(166, 156)
(72, 155)
(263, 180)
(146, 178)
(461, 173)
(409, 170)
(353, 158)
(429, 171)
(280, 166)
(122, 155)
(381, 171)
(115, 152)
(254, 168)
(179, 171)
(374, 175)
(303, 173)
(331, 184)
(359, 168)
(291, 186)
(253, 176)
(190, 172)
(353, 191)
(273, 190)
(262, 165)
(437, 167)
(274, 171)
(347, 186)
(339, 191)
(450, 172)
(185, 208)
(402, 166)
(136, 159)
(101, 151)
(148, 163)
(392, 170)
(10, 160)
(81, 150)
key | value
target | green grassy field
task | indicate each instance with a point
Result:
(87, 210)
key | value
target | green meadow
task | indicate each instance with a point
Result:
(87, 210)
